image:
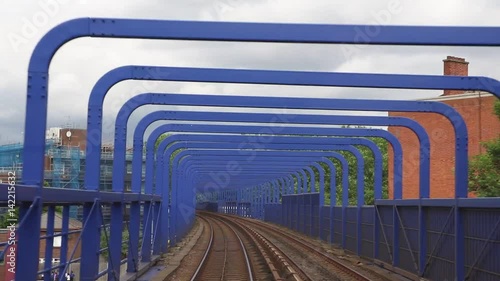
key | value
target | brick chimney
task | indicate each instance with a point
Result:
(455, 66)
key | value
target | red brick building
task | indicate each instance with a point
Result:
(483, 125)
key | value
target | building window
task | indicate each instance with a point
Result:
(57, 242)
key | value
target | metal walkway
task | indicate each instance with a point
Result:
(275, 171)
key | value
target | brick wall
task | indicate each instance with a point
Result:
(482, 125)
(56, 252)
(456, 67)
(78, 138)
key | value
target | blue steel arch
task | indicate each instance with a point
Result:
(127, 109)
(308, 119)
(284, 167)
(138, 99)
(360, 165)
(242, 129)
(307, 142)
(44, 51)
(177, 114)
(147, 185)
(282, 140)
(267, 175)
(264, 77)
(396, 230)
(138, 149)
(239, 156)
(319, 168)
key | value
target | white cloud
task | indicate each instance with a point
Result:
(79, 64)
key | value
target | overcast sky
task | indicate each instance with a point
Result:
(79, 64)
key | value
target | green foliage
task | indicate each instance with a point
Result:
(484, 170)
(4, 218)
(369, 179)
(105, 243)
(352, 178)
(160, 139)
(496, 109)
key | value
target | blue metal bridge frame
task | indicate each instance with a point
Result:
(467, 214)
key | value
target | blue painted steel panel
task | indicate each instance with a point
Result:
(441, 247)
(337, 225)
(325, 226)
(315, 209)
(482, 244)
(351, 229)
(367, 215)
(409, 234)
(386, 233)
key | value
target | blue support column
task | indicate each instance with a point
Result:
(459, 245)
(321, 198)
(165, 220)
(64, 239)
(277, 191)
(49, 242)
(304, 181)
(91, 237)
(115, 241)
(146, 232)
(312, 184)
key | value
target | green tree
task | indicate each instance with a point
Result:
(4, 218)
(484, 170)
(105, 242)
(369, 179)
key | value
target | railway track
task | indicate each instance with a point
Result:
(267, 262)
(225, 257)
(343, 270)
